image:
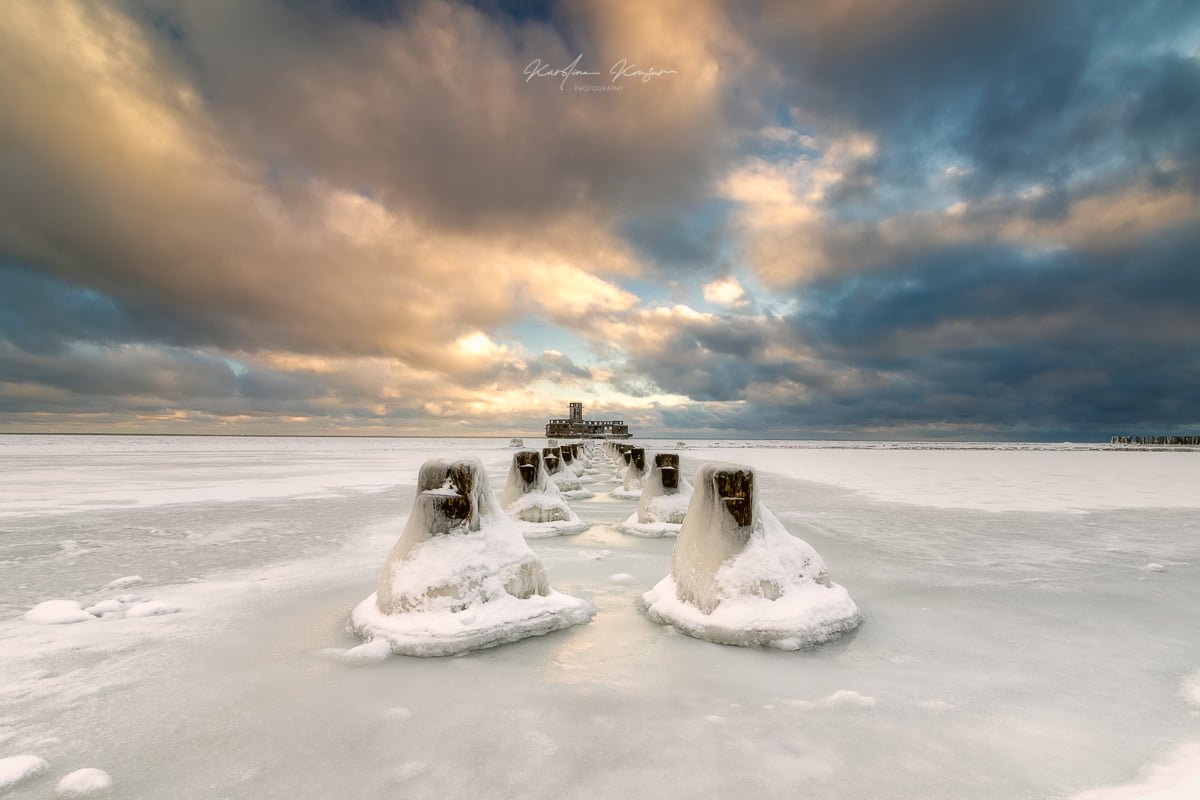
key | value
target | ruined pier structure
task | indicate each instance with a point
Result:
(576, 427)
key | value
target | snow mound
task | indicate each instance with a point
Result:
(738, 577)
(664, 500)
(534, 501)
(461, 576)
(58, 612)
(15, 769)
(81, 782)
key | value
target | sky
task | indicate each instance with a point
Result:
(933, 219)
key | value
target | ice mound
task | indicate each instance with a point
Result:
(82, 782)
(664, 501)
(15, 769)
(461, 576)
(563, 477)
(738, 577)
(58, 612)
(534, 501)
(635, 474)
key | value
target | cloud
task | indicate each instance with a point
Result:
(726, 292)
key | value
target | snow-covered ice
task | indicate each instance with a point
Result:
(1016, 646)
(738, 577)
(84, 782)
(461, 577)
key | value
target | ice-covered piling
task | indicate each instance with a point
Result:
(635, 472)
(461, 576)
(664, 500)
(534, 501)
(738, 577)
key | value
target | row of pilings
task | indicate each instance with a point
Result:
(1181, 441)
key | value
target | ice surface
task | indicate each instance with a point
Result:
(15, 769)
(1015, 647)
(738, 577)
(83, 782)
(461, 576)
(1177, 777)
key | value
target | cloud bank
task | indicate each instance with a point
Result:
(949, 219)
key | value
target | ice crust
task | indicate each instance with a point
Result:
(754, 585)
(477, 585)
(966, 602)
(660, 511)
(538, 506)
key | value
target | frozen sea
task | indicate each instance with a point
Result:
(1032, 631)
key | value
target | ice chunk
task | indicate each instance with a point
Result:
(81, 782)
(738, 577)
(534, 501)
(15, 769)
(664, 500)
(461, 576)
(369, 652)
(621, 577)
(105, 607)
(848, 697)
(58, 612)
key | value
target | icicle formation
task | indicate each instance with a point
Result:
(534, 501)
(738, 577)
(461, 576)
(664, 500)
